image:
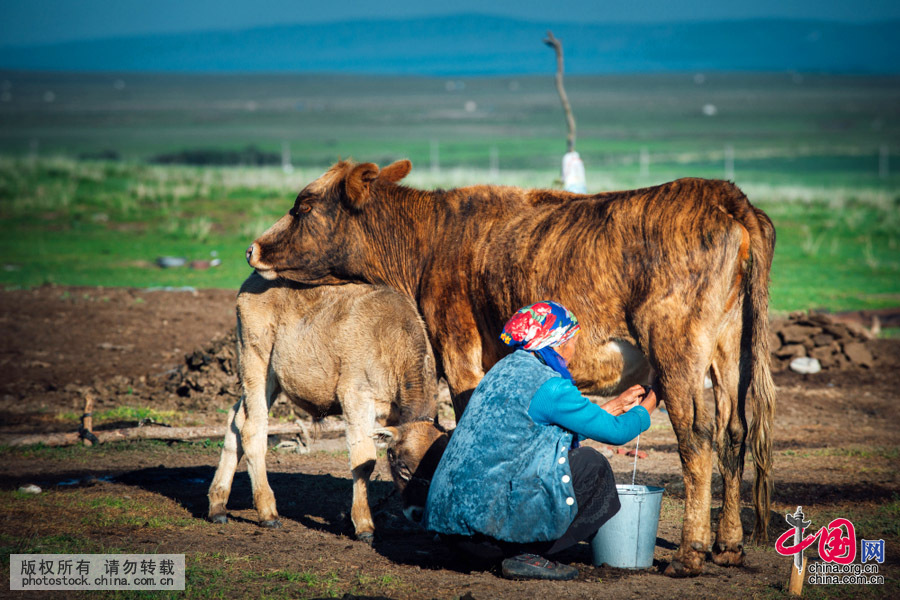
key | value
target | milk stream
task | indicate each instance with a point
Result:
(636, 446)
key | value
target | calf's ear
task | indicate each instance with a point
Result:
(385, 435)
(396, 171)
(358, 183)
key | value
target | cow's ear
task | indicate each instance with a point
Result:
(385, 435)
(358, 183)
(396, 171)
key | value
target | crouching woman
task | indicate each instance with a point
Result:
(513, 478)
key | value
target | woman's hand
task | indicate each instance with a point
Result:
(625, 401)
(650, 401)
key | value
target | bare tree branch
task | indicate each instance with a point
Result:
(570, 118)
(149, 432)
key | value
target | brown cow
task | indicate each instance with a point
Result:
(356, 350)
(677, 273)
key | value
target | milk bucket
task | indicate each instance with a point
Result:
(628, 539)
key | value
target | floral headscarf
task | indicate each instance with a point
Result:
(539, 328)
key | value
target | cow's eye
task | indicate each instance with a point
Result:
(300, 209)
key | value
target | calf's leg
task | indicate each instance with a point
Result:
(359, 414)
(232, 452)
(254, 435)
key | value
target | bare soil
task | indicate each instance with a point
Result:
(836, 451)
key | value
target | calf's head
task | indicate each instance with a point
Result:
(413, 451)
(318, 241)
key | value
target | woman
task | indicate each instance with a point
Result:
(513, 475)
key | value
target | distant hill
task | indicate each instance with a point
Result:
(482, 45)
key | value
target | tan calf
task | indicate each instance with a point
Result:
(356, 350)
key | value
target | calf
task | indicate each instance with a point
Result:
(413, 452)
(356, 350)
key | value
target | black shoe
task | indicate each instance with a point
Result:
(532, 566)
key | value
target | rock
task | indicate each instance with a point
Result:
(859, 354)
(823, 339)
(169, 262)
(797, 334)
(791, 351)
(840, 331)
(30, 489)
(805, 365)
(816, 319)
(774, 341)
(826, 355)
(607, 451)
(860, 332)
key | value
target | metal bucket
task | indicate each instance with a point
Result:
(628, 539)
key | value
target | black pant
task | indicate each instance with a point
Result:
(597, 498)
(595, 493)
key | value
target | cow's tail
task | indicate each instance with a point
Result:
(761, 391)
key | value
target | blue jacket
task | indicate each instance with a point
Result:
(505, 472)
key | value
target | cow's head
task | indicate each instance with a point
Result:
(318, 241)
(414, 451)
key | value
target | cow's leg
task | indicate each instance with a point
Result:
(731, 431)
(359, 414)
(463, 370)
(693, 428)
(457, 346)
(254, 435)
(232, 452)
(680, 352)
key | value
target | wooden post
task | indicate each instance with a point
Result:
(286, 165)
(87, 419)
(795, 585)
(729, 162)
(494, 167)
(570, 118)
(645, 162)
(435, 158)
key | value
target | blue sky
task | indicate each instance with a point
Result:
(49, 21)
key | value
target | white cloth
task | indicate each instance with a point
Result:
(573, 173)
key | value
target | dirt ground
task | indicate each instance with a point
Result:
(836, 453)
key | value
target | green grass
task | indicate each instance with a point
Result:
(863, 452)
(56, 236)
(805, 150)
(870, 524)
(124, 413)
(79, 454)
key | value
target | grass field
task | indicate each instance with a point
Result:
(816, 152)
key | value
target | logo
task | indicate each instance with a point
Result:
(872, 550)
(837, 549)
(837, 540)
